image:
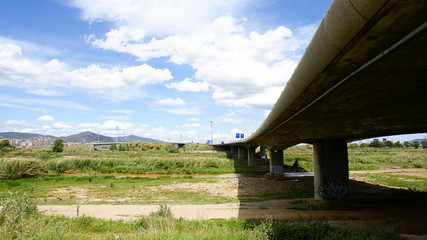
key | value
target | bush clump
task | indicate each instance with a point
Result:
(18, 169)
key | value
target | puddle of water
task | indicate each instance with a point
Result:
(298, 174)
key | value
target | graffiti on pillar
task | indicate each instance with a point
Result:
(332, 191)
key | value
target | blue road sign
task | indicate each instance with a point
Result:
(237, 135)
(242, 135)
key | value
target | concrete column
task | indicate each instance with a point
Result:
(242, 153)
(234, 149)
(276, 163)
(262, 152)
(330, 170)
(251, 156)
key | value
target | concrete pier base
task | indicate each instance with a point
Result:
(251, 156)
(330, 170)
(242, 153)
(276, 163)
(262, 152)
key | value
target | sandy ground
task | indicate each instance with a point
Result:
(366, 203)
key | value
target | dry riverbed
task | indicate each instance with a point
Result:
(367, 202)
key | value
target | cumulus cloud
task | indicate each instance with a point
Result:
(155, 17)
(45, 118)
(189, 86)
(168, 102)
(184, 111)
(191, 125)
(193, 119)
(114, 83)
(62, 125)
(243, 67)
(44, 92)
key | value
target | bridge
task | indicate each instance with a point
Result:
(363, 75)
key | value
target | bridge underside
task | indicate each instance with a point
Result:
(360, 77)
(385, 93)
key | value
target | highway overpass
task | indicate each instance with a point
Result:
(363, 75)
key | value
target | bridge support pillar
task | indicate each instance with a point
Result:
(242, 153)
(330, 170)
(262, 152)
(234, 149)
(251, 156)
(276, 163)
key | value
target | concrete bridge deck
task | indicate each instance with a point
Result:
(364, 74)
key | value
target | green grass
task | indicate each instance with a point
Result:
(395, 180)
(161, 225)
(96, 189)
(126, 162)
(363, 158)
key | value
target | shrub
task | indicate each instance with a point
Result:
(364, 145)
(353, 145)
(398, 144)
(17, 169)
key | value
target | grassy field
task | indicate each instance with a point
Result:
(366, 158)
(80, 175)
(19, 219)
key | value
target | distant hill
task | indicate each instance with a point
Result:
(133, 138)
(418, 140)
(19, 135)
(83, 137)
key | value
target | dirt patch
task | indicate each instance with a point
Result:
(367, 202)
(77, 193)
(236, 188)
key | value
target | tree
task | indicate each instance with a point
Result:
(389, 144)
(353, 145)
(398, 144)
(376, 144)
(416, 144)
(5, 146)
(113, 147)
(364, 145)
(4, 143)
(407, 144)
(424, 143)
(58, 145)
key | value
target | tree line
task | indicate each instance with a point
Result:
(390, 144)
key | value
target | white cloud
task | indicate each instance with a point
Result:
(230, 117)
(62, 125)
(122, 111)
(45, 118)
(191, 125)
(189, 86)
(238, 64)
(193, 119)
(155, 17)
(112, 83)
(184, 111)
(169, 102)
(44, 92)
(41, 102)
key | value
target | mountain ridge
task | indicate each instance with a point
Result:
(83, 137)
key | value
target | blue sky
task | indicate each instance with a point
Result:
(160, 69)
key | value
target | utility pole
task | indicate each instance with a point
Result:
(117, 133)
(98, 136)
(211, 132)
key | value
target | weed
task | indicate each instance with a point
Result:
(15, 210)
